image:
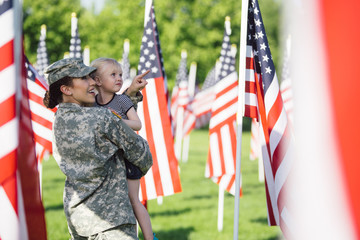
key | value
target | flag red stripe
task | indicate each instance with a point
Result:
(335, 19)
(231, 182)
(250, 111)
(209, 164)
(250, 63)
(164, 114)
(143, 188)
(7, 166)
(8, 107)
(221, 152)
(150, 139)
(36, 98)
(223, 107)
(233, 139)
(44, 142)
(250, 87)
(40, 120)
(10, 188)
(280, 150)
(6, 53)
(227, 89)
(271, 217)
(228, 121)
(274, 112)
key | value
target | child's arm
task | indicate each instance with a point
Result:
(134, 120)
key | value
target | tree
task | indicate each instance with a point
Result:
(56, 15)
(194, 25)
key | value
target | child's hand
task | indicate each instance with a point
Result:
(137, 84)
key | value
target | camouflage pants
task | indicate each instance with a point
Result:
(123, 232)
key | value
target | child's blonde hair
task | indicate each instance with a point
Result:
(99, 62)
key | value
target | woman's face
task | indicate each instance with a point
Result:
(82, 91)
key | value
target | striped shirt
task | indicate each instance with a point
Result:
(120, 103)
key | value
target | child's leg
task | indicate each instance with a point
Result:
(140, 211)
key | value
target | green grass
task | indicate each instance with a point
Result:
(191, 214)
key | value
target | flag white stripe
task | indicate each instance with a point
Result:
(35, 88)
(271, 95)
(7, 29)
(7, 87)
(227, 150)
(224, 99)
(41, 111)
(250, 75)
(284, 169)
(41, 131)
(223, 115)
(8, 139)
(250, 99)
(215, 155)
(159, 141)
(9, 222)
(278, 131)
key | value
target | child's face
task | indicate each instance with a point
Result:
(110, 77)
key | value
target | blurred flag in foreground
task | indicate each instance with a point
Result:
(263, 101)
(163, 178)
(22, 212)
(325, 181)
(286, 86)
(220, 166)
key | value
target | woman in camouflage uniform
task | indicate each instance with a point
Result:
(89, 145)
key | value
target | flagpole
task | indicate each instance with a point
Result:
(239, 116)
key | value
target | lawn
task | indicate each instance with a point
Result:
(191, 214)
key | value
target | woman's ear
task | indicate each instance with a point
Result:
(66, 90)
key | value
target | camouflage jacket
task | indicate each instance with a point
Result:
(89, 145)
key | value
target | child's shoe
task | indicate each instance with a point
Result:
(155, 238)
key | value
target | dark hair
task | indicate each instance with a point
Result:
(54, 95)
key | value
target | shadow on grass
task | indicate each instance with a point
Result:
(170, 213)
(54, 207)
(261, 220)
(198, 197)
(178, 234)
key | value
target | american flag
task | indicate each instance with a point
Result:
(41, 116)
(42, 60)
(180, 96)
(125, 65)
(22, 212)
(220, 166)
(202, 102)
(163, 178)
(75, 42)
(263, 100)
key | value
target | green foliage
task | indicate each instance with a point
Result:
(56, 15)
(194, 25)
(191, 214)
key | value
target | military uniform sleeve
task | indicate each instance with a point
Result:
(135, 99)
(136, 149)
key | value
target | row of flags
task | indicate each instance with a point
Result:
(22, 212)
(270, 105)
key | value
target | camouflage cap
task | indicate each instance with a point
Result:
(71, 67)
